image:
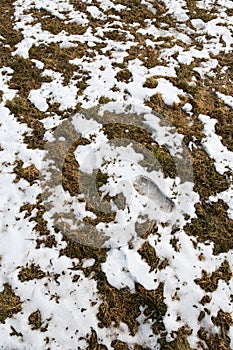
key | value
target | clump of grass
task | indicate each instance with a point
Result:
(104, 100)
(212, 225)
(151, 82)
(219, 340)
(135, 12)
(148, 254)
(124, 75)
(53, 24)
(179, 343)
(47, 241)
(209, 282)
(10, 303)
(206, 179)
(147, 54)
(123, 306)
(12, 37)
(56, 58)
(93, 343)
(26, 76)
(25, 112)
(30, 272)
(29, 173)
(34, 319)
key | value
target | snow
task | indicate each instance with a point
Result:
(214, 147)
(55, 92)
(5, 76)
(228, 100)
(69, 310)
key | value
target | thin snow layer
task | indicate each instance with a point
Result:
(69, 310)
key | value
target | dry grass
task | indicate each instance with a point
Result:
(10, 303)
(209, 282)
(212, 223)
(30, 272)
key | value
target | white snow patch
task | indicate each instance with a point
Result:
(212, 144)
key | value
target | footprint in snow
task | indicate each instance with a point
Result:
(146, 187)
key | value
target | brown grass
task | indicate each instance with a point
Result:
(10, 303)
(30, 272)
(212, 223)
